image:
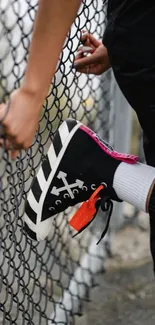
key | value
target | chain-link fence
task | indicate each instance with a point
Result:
(47, 282)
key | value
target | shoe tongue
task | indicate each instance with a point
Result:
(130, 159)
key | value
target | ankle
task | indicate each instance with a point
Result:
(132, 184)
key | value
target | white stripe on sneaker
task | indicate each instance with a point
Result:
(41, 179)
(63, 132)
(54, 169)
(32, 202)
(51, 155)
(42, 230)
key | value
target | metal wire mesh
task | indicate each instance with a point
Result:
(45, 283)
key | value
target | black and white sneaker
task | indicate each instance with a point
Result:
(77, 163)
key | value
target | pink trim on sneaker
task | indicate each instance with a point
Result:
(129, 159)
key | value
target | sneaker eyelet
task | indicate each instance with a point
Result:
(75, 191)
(51, 209)
(104, 184)
(66, 195)
(93, 187)
(85, 188)
(58, 202)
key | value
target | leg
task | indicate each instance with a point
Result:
(149, 149)
(146, 115)
(78, 163)
(138, 86)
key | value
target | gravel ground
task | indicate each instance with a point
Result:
(125, 296)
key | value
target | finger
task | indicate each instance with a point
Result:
(2, 111)
(13, 148)
(14, 154)
(1, 142)
(84, 31)
(83, 51)
(89, 40)
(85, 70)
(10, 147)
(78, 56)
(84, 34)
(12, 144)
(94, 41)
(85, 38)
(86, 61)
(5, 143)
(88, 70)
(3, 131)
(4, 108)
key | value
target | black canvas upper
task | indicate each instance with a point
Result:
(76, 164)
(85, 161)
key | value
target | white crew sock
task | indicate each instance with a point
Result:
(132, 183)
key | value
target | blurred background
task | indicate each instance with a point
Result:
(64, 280)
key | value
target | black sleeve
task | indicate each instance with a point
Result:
(106, 7)
(107, 3)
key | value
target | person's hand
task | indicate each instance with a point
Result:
(19, 119)
(92, 57)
